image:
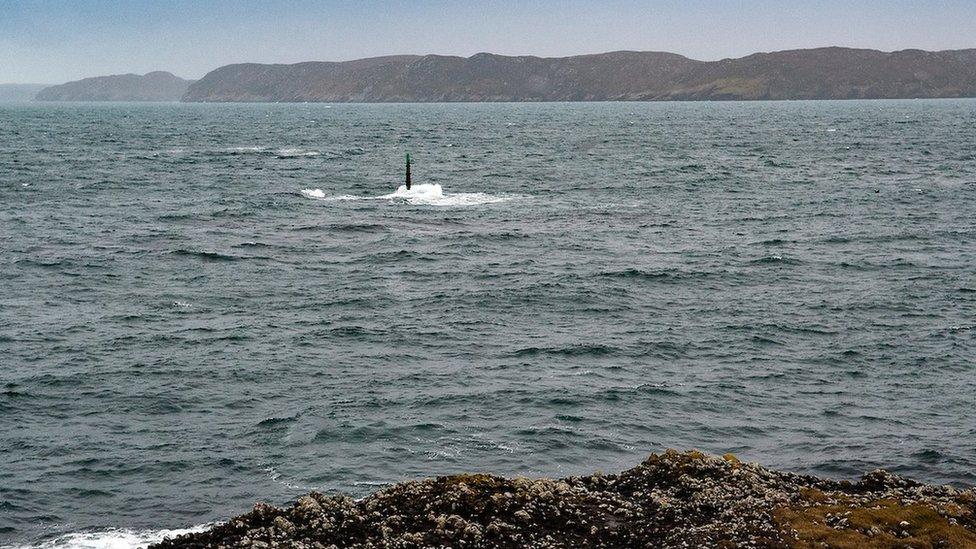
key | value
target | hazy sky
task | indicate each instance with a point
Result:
(58, 40)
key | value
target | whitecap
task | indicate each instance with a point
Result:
(372, 483)
(296, 153)
(313, 193)
(113, 539)
(433, 194)
(428, 194)
(319, 194)
(275, 476)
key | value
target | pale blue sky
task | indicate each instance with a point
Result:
(54, 41)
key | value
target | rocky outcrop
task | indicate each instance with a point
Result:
(669, 501)
(825, 73)
(154, 86)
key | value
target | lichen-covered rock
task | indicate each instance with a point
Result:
(673, 500)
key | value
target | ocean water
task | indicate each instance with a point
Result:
(202, 306)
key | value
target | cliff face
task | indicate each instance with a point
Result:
(154, 86)
(825, 73)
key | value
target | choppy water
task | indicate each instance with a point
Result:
(207, 305)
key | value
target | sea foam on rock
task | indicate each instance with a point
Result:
(686, 500)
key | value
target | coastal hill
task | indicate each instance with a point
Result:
(19, 92)
(824, 73)
(154, 86)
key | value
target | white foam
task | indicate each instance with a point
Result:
(295, 153)
(319, 194)
(275, 476)
(313, 193)
(429, 194)
(113, 539)
(254, 149)
(372, 483)
(423, 192)
(433, 194)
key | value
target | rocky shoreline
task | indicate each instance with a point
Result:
(671, 500)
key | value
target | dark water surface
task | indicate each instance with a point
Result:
(183, 331)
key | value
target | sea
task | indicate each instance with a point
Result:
(205, 306)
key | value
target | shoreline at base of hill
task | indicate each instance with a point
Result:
(670, 500)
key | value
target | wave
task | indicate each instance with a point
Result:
(774, 259)
(320, 195)
(42, 263)
(572, 350)
(278, 420)
(113, 539)
(666, 275)
(246, 150)
(285, 152)
(205, 255)
(296, 153)
(640, 273)
(428, 194)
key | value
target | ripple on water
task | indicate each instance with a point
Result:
(185, 332)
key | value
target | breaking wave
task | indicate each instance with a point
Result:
(286, 152)
(246, 150)
(113, 539)
(296, 153)
(430, 194)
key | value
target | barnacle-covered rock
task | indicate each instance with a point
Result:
(671, 500)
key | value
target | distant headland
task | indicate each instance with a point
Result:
(19, 92)
(823, 73)
(154, 86)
